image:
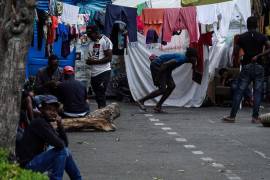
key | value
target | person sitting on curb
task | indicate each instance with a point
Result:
(39, 134)
(161, 69)
(73, 94)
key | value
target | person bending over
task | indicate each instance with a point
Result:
(161, 69)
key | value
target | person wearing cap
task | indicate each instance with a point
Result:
(100, 56)
(31, 150)
(48, 77)
(73, 94)
(161, 69)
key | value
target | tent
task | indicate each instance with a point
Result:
(187, 92)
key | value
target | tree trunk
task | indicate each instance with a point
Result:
(16, 29)
(101, 119)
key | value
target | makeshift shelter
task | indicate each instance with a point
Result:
(187, 93)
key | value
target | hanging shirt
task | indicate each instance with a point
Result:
(96, 50)
(70, 13)
(120, 13)
(178, 57)
(152, 19)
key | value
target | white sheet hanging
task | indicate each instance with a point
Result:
(187, 93)
(70, 13)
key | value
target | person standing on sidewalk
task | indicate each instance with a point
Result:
(253, 44)
(99, 59)
(161, 69)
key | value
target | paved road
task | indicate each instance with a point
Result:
(186, 144)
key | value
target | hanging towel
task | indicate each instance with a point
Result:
(189, 21)
(125, 14)
(70, 13)
(178, 19)
(171, 23)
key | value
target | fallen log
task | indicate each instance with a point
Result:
(101, 119)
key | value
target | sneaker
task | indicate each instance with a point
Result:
(159, 110)
(228, 119)
(256, 120)
(141, 106)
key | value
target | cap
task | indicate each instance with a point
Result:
(45, 99)
(68, 70)
(152, 57)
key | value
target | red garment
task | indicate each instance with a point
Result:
(152, 19)
(179, 19)
(205, 39)
(51, 35)
(140, 24)
(171, 23)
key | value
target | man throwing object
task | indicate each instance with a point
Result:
(161, 69)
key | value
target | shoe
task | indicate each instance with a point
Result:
(159, 110)
(141, 106)
(228, 119)
(256, 120)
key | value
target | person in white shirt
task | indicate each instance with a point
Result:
(100, 56)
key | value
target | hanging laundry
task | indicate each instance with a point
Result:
(140, 25)
(153, 19)
(125, 14)
(140, 8)
(151, 36)
(42, 17)
(99, 19)
(178, 19)
(207, 14)
(185, 3)
(59, 8)
(64, 34)
(118, 37)
(70, 13)
(205, 39)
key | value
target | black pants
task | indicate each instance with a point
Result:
(99, 85)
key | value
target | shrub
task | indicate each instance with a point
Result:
(10, 171)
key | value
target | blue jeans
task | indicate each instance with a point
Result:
(55, 162)
(250, 73)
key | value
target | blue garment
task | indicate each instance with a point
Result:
(252, 72)
(55, 161)
(120, 13)
(180, 58)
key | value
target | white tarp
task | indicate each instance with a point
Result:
(187, 93)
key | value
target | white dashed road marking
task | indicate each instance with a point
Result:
(190, 146)
(159, 124)
(172, 133)
(197, 152)
(207, 159)
(228, 174)
(181, 139)
(217, 165)
(153, 119)
(166, 128)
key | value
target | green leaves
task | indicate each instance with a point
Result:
(14, 172)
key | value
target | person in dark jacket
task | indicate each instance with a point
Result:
(48, 77)
(73, 94)
(31, 150)
(161, 69)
